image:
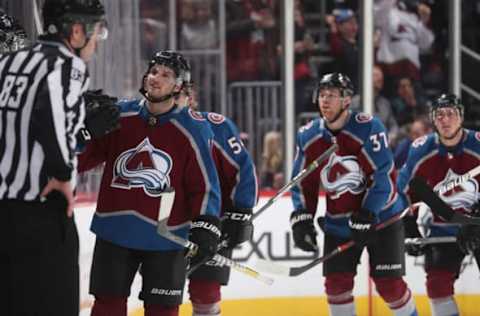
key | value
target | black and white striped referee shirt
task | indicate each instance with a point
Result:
(41, 111)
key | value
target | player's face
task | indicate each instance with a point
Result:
(331, 103)
(161, 80)
(447, 121)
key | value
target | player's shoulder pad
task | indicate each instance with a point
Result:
(314, 128)
(214, 118)
(472, 141)
(195, 122)
(362, 125)
(128, 107)
(423, 145)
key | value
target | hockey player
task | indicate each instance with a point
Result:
(239, 189)
(438, 158)
(359, 180)
(158, 146)
(41, 110)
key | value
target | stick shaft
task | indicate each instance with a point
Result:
(299, 177)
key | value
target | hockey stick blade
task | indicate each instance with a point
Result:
(423, 191)
(430, 240)
(300, 176)
(278, 269)
(162, 230)
(273, 268)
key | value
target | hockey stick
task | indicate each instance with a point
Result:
(423, 191)
(270, 267)
(299, 177)
(223, 244)
(459, 180)
(430, 240)
(166, 203)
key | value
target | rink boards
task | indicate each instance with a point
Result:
(299, 296)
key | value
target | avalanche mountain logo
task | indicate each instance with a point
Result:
(463, 196)
(342, 174)
(143, 167)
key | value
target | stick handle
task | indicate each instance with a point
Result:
(430, 240)
(299, 177)
(459, 180)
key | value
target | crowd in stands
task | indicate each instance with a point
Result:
(410, 47)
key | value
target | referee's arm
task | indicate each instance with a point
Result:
(60, 113)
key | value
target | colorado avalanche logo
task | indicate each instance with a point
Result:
(477, 136)
(216, 118)
(464, 195)
(143, 167)
(363, 117)
(342, 174)
(196, 115)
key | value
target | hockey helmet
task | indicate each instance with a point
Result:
(334, 80)
(60, 15)
(12, 35)
(447, 100)
(175, 61)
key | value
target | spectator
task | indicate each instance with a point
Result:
(153, 27)
(417, 129)
(251, 41)
(302, 73)
(404, 36)
(198, 28)
(344, 42)
(272, 160)
(382, 106)
(407, 105)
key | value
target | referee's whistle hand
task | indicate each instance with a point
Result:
(65, 188)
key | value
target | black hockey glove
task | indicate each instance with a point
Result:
(304, 234)
(237, 227)
(468, 238)
(102, 115)
(205, 232)
(411, 231)
(361, 226)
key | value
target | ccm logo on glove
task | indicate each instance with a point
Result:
(243, 217)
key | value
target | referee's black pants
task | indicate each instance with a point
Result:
(39, 270)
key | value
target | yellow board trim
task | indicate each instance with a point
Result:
(316, 306)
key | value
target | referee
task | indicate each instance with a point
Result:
(41, 111)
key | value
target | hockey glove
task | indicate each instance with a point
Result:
(361, 226)
(304, 234)
(237, 227)
(102, 115)
(205, 232)
(468, 238)
(411, 231)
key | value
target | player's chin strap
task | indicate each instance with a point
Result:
(159, 99)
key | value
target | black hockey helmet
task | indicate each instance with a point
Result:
(447, 100)
(60, 15)
(334, 80)
(175, 61)
(12, 35)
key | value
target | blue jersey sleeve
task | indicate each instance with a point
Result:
(382, 192)
(239, 166)
(202, 140)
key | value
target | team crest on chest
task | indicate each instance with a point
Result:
(464, 195)
(144, 167)
(342, 174)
